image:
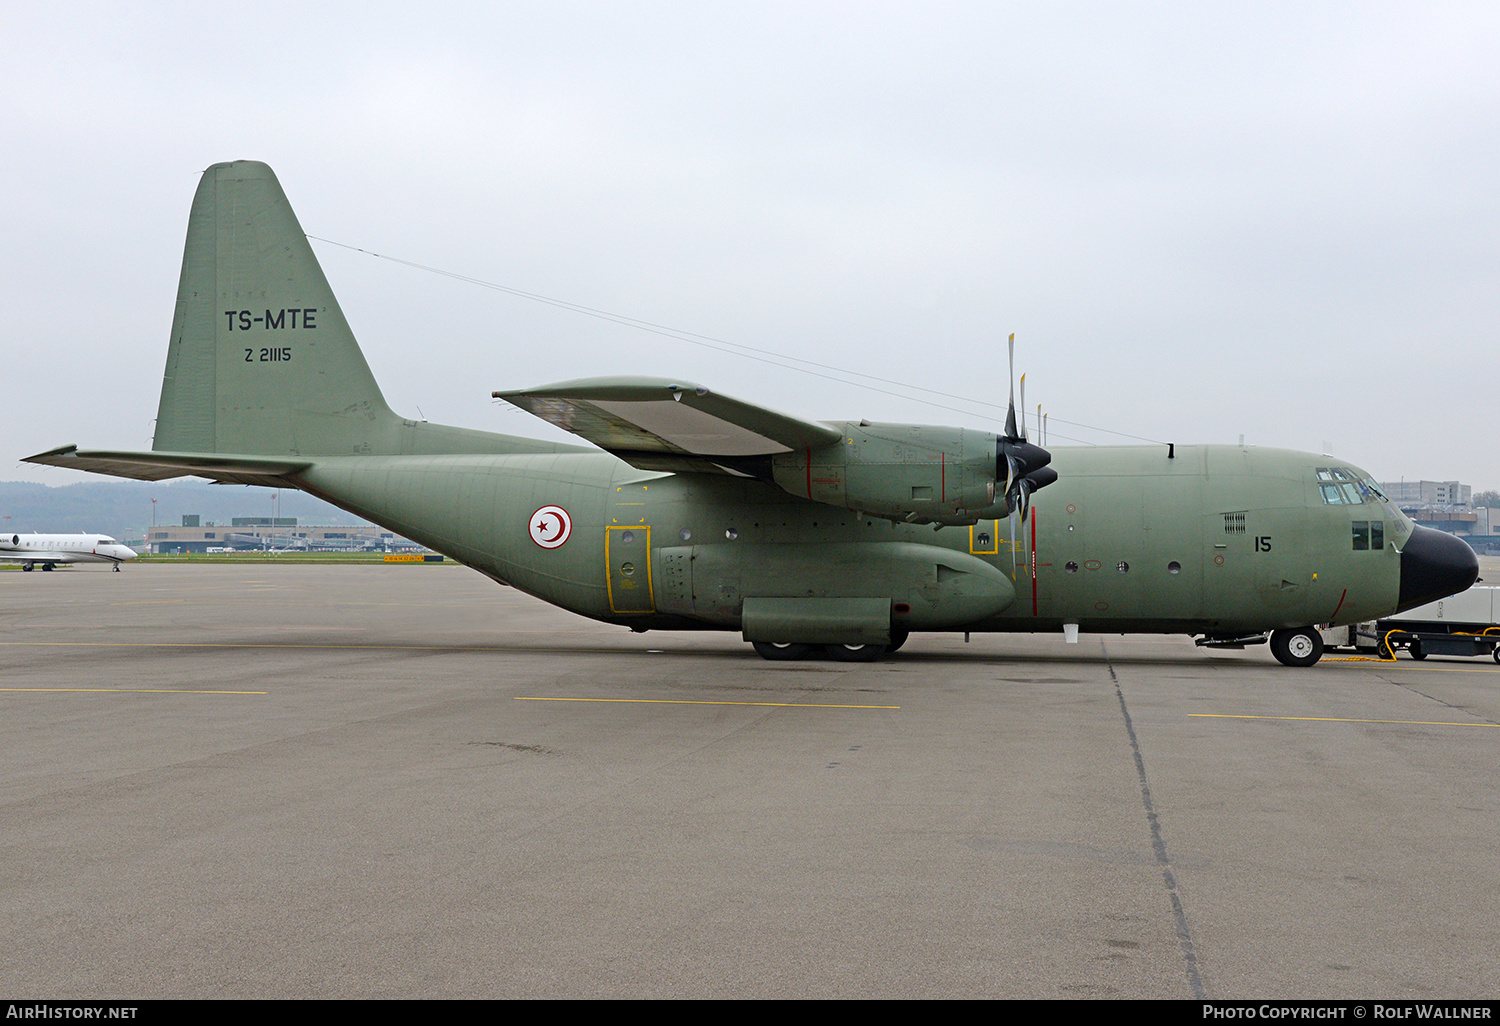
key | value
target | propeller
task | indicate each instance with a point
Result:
(1025, 464)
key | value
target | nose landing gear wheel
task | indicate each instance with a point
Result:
(1301, 646)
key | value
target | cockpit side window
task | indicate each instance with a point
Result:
(1368, 535)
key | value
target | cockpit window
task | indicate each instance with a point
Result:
(1340, 494)
(1340, 486)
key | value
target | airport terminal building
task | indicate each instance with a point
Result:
(274, 534)
(1447, 506)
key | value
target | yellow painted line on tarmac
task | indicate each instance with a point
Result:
(1412, 665)
(1340, 719)
(684, 701)
(133, 691)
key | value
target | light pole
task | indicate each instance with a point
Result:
(152, 546)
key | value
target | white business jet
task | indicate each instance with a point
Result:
(52, 549)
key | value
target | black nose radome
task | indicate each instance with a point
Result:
(1434, 565)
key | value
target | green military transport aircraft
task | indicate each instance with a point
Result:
(694, 511)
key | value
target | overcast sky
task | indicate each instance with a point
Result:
(1201, 220)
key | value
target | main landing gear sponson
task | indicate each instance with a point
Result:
(1300, 646)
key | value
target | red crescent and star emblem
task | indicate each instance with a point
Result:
(550, 526)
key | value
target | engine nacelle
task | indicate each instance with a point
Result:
(909, 472)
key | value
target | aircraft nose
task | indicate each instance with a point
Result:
(1434, 565)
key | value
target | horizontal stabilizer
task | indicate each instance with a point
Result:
(158, 466)
(654, 423)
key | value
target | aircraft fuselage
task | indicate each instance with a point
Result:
(1211, 539)
(48, 550)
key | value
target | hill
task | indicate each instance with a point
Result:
(123, 508)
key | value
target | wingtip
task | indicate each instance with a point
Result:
(41, 457)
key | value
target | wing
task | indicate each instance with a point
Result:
(665, 424)
(157, 466)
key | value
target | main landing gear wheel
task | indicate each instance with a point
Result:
(780, 650)
(856, 653)
(1495, 653)
(1301, 646)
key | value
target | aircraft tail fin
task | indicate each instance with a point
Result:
(261, 359)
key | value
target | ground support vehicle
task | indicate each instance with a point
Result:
(1466, 624)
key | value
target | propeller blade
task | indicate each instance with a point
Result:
(1026, 467)
(1010, 413)
(1013, 563)
(1023, 407)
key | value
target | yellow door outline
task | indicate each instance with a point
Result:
(994, 532)
(630, 595)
